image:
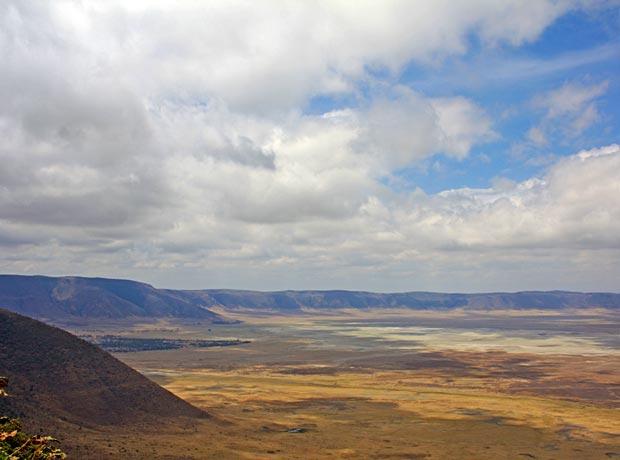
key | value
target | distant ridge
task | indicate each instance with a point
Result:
(68, 297)
(295, 300)
(65, 298)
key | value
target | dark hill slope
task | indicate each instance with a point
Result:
(64, 298)
(54, 376)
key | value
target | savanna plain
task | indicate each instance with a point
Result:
(385, 384)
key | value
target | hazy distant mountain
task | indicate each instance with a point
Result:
(74, 297)
(293, 300)
(55, 376)
(61, 299)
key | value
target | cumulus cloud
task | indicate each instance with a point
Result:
(255, 56)
(573, 205)
(166, 139)
(462, 124)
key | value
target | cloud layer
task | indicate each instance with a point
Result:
(171, 143)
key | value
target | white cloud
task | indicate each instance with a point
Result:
(573, 205)
(571, 108)
(167, 139)
(462, 124)
(397, 131)
(565, 112)
(405, 127)
(257, 57)
(570, 99)
(536, 135)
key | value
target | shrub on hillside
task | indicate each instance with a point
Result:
(17, 445)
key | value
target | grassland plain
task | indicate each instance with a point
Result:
(397, 385)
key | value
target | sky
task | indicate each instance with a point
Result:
(372, 145)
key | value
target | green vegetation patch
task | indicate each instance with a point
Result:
(120, 344)
(17, 445)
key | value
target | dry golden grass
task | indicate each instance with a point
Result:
(429, 396)
(395, 414)
(381, 401)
